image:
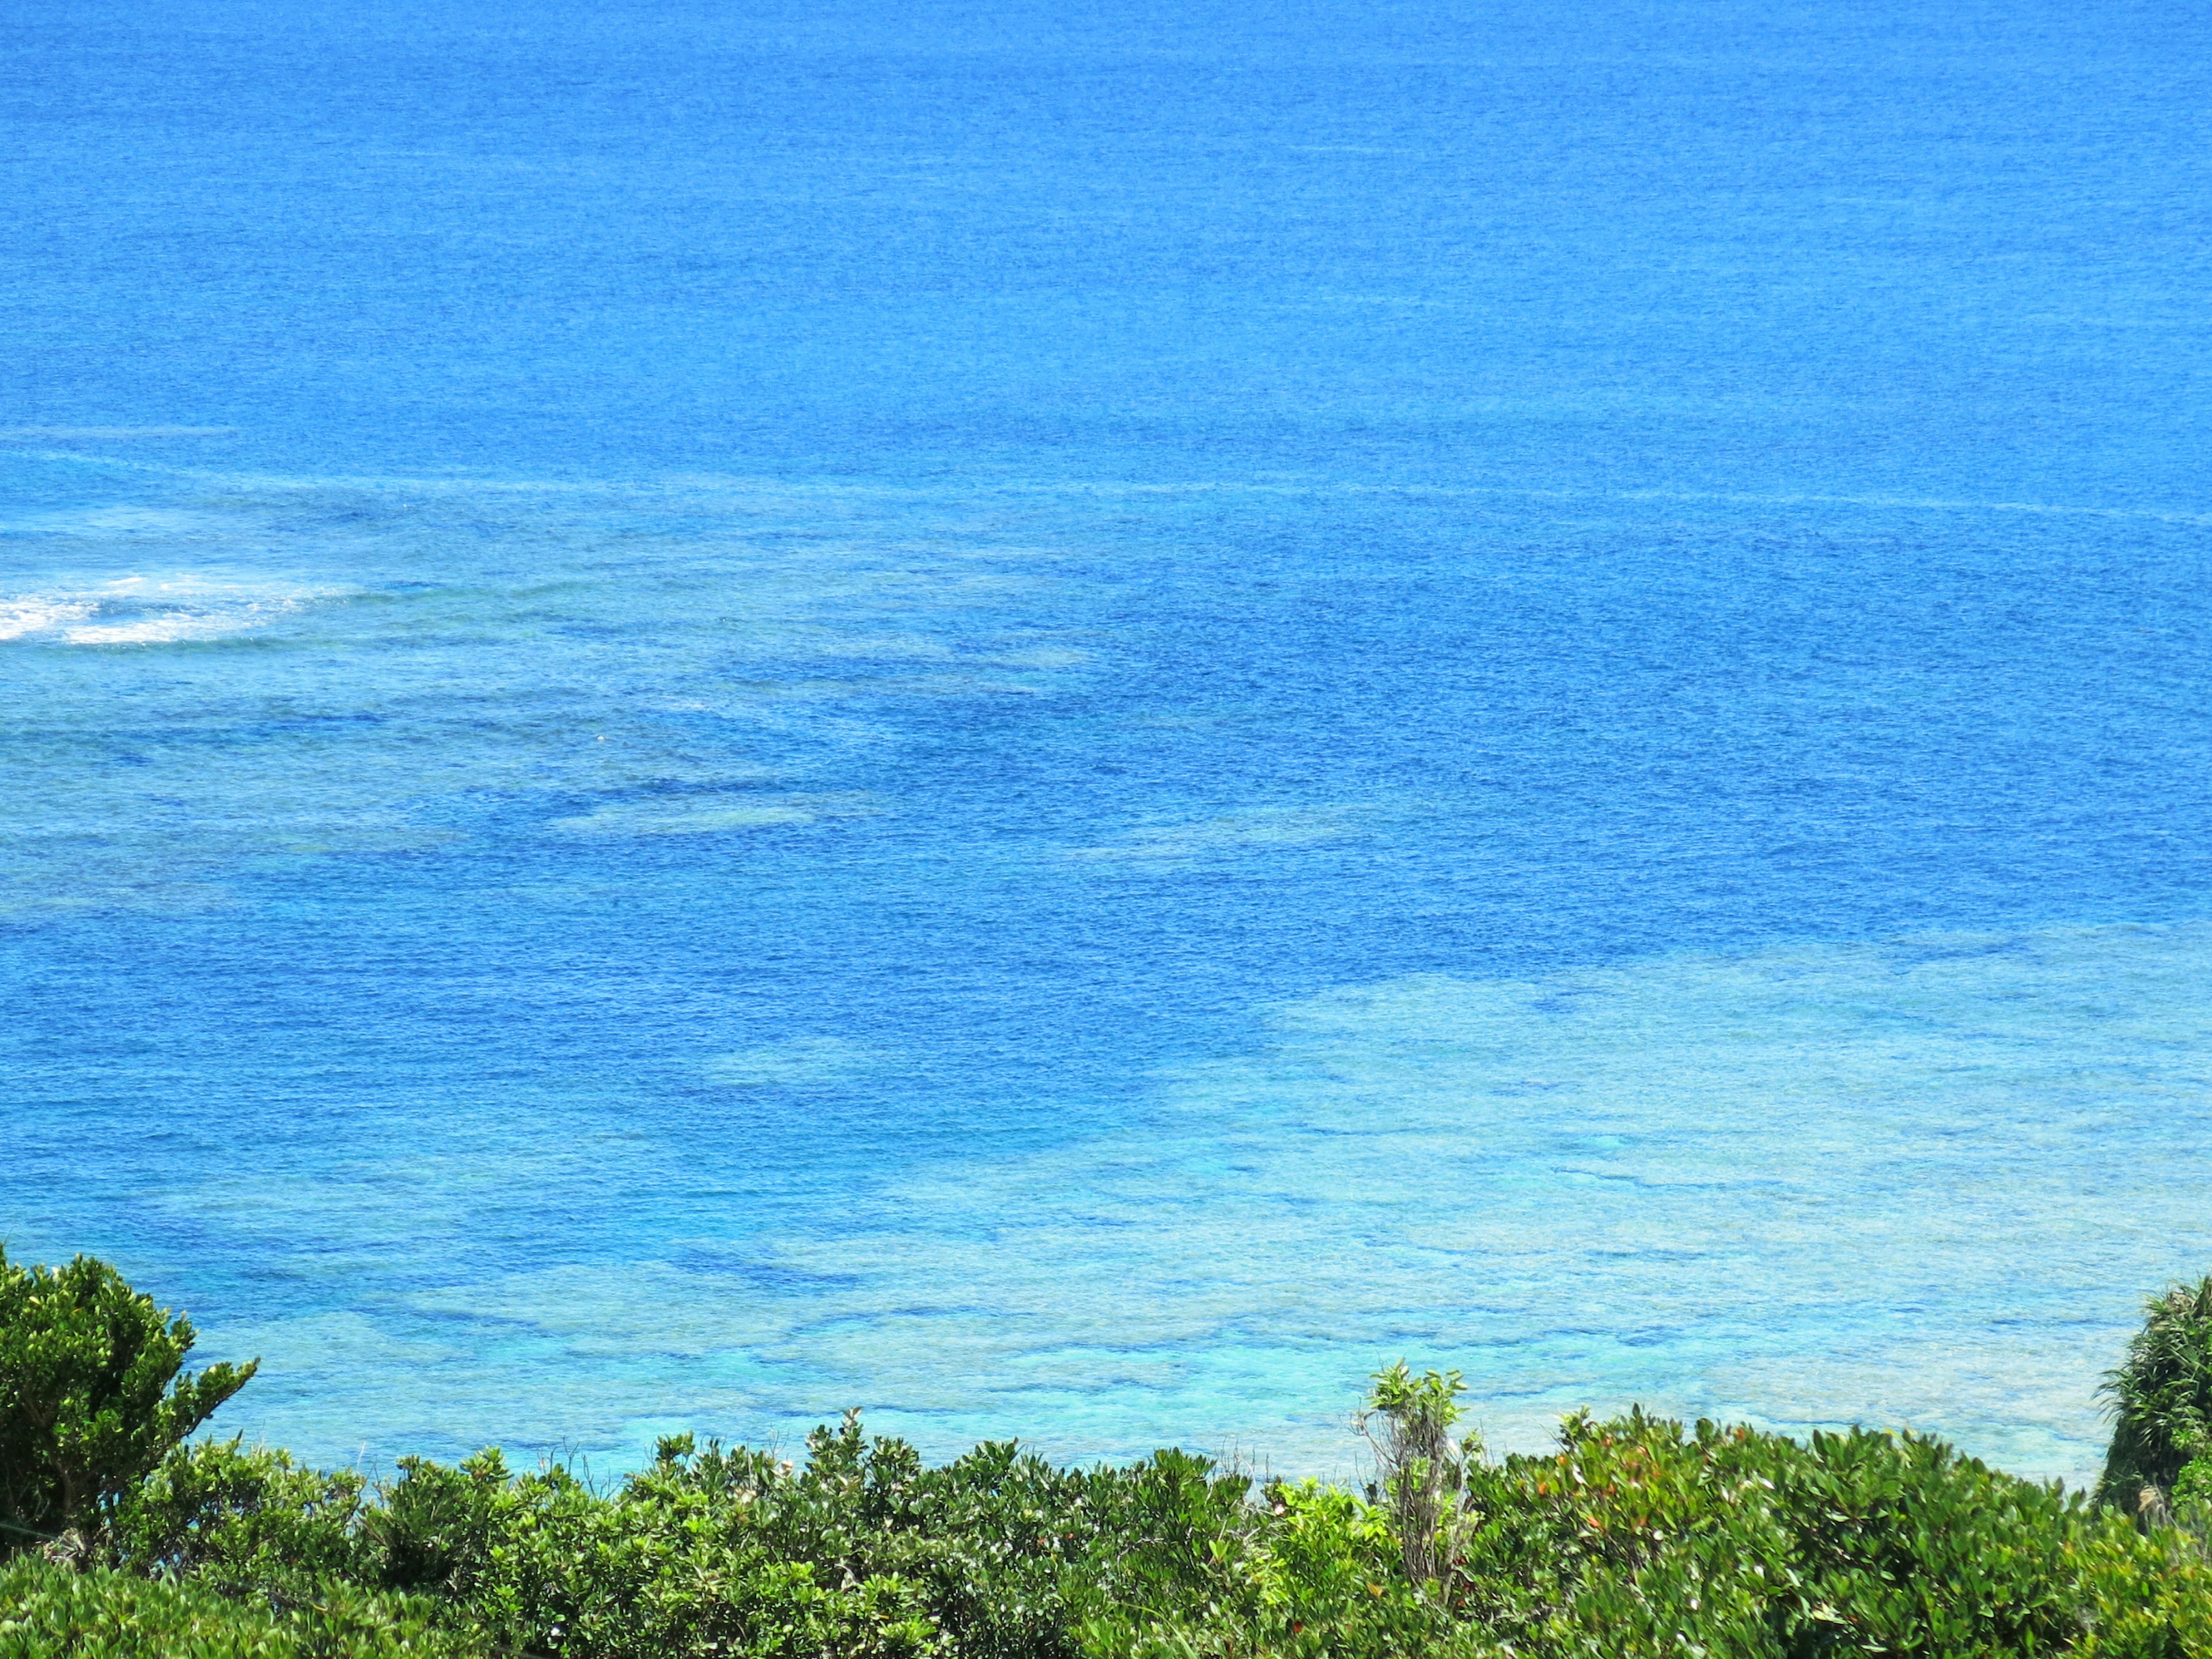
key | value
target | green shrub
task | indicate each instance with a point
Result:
(1636, 1538)
(242, 1520)
(49, 1611)
(2139, 1596)
(90, 1397)
(1313, 1571)
(714, 1552)
(2161, 1396)
(861, 1551)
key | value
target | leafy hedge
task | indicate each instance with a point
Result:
(1635, 1538)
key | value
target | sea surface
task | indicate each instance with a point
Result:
(1069, 720)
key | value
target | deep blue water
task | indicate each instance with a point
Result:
(1071, 721)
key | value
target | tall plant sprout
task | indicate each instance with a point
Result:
(1408, 1421)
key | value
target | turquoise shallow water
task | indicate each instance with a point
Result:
(1069, 727)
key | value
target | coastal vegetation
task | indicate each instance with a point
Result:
(2162, 1400)
(120, 1535)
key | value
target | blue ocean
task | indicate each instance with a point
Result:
(1068, 719)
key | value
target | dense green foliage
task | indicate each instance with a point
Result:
(2161, 1396)
(1635, 1539)
(90, 1398)
(49, 1610)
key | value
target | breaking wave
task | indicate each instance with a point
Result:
(151, 611)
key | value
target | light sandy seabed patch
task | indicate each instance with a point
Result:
(1815, 1184)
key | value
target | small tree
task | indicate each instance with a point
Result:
(90, 1398)
(2161, 1398)
(1408, 1421)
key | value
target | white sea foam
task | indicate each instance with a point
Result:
(170, 630)
(152, 610)
(701, 815)
(34, 614)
